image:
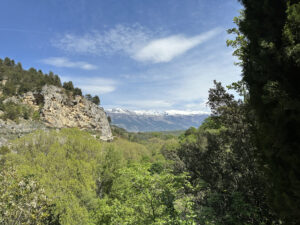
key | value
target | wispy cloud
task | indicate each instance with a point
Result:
(118, 39)
(137, 42)
(93, 85)
(65, 62)
(165, 49)
(183, 84)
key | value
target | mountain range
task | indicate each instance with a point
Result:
(143, 121)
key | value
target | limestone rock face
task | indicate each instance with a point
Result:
(60, 110)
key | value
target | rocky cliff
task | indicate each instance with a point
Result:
(59, 109)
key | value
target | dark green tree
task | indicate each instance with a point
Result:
(68, 86)
(88, 97)
(221, 158)
(270, 59)
(77, 91)
(96, 100)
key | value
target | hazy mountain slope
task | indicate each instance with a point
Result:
(135, 121)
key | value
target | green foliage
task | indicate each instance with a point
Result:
(109, 120)
(68, 86)
(19, 81)
(84, 178)
(36, 115)
(22, 200)
(15, 111)
(269, 51)
(64, 163)
(88, 97)
(77, 91)
(144, 137)
(221, 159)
(96, 100)
(139, 197)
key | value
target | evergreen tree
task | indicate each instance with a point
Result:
(88, 97)
(68, 86)
(77, 91)
(96, 100)
(270, 58)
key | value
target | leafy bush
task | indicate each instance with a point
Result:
(22, 200)
(15, 111)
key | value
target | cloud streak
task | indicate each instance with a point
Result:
(65, 62)
(184, 84)
(165, 49)
(137, 42)
(116, 40)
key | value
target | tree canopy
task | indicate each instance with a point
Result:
(270, 60)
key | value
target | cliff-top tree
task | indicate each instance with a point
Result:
(68, 86)
(270, 59)
(96, 100)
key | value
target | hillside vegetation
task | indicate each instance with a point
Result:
(241, 166)
(208, 175)
(15, 81)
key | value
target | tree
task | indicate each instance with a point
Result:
(19, 81)
(96, 100)
(68, 86)
(141, 197)
(22, 200)
(270, 59)
(7, 61)
(109, 119)
(77, 91)
(221, 158)
(88, 97)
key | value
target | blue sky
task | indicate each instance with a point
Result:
(135, 54)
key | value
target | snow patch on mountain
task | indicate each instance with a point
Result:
(151, 120)
(155, 113)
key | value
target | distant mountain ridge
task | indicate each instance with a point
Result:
(143, 121)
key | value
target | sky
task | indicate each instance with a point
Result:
(134, 54)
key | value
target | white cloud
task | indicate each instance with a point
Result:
(165, 49)
(135, 41)
(118, 39)
(65, 62)
(183, 84)
(93, 85)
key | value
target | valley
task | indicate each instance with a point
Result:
(145, 121)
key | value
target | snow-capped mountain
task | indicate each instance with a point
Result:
(141, 120)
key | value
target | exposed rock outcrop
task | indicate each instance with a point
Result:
(59, 110)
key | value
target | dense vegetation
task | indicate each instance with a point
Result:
(88, 182)
(269, 51)
(14, 80)
(208, 175)
(241, 166)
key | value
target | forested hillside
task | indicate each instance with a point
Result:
(208, 175)
(15, 81)
(241, 166)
